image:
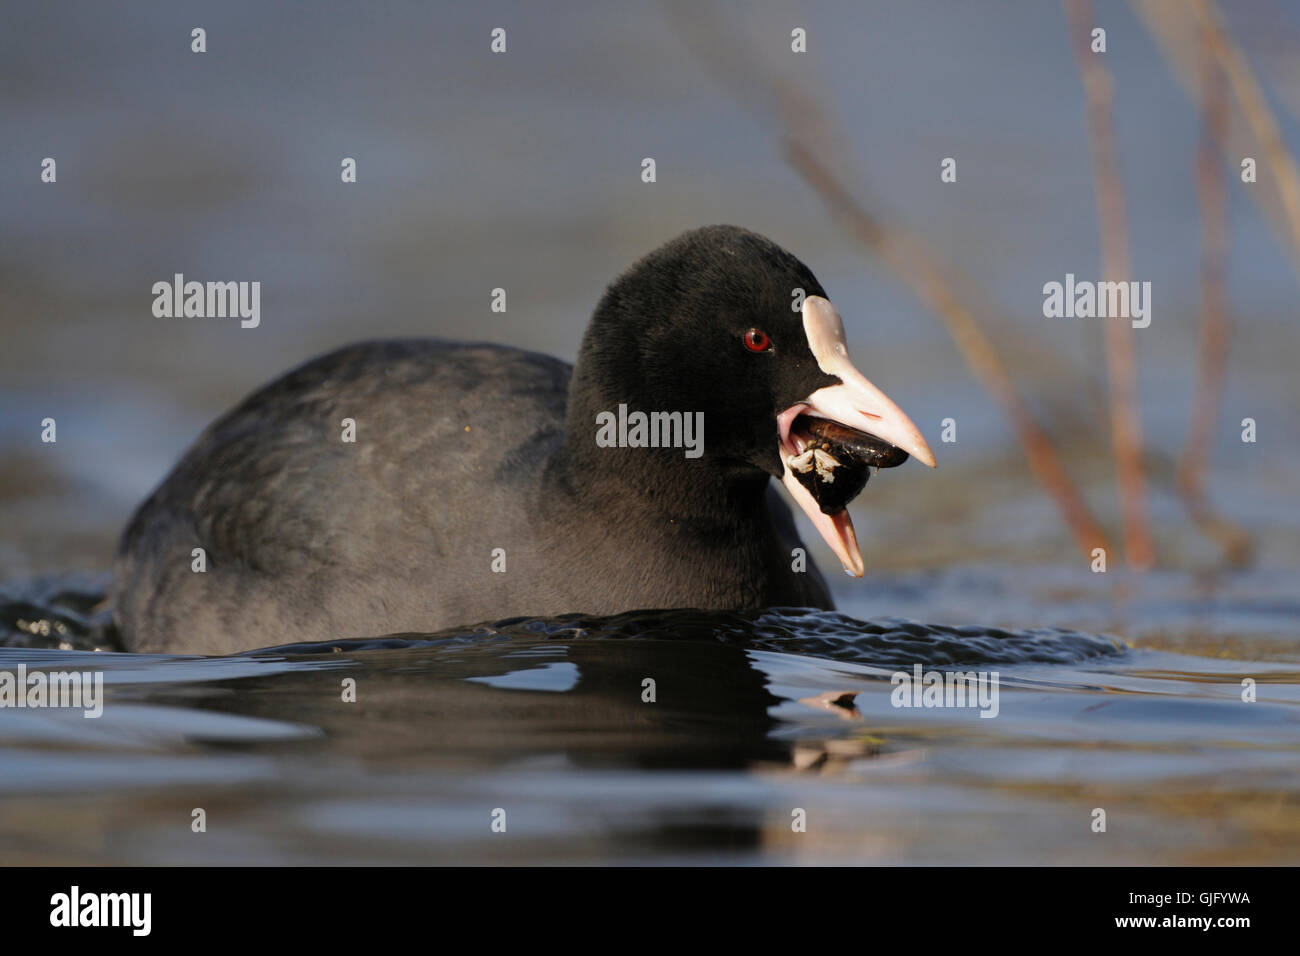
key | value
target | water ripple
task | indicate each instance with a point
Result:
(824, 634)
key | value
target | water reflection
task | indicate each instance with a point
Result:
(755, 717)
(428, 705)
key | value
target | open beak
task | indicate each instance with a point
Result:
(854, 403)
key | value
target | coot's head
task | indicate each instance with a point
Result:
(724, 322)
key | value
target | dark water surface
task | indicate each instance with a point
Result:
(756, 716)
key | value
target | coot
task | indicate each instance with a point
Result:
(482, 482)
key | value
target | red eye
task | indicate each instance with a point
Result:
(756, 340)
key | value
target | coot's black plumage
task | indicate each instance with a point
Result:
(464, 449)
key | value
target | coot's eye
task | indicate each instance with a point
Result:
(756, 340)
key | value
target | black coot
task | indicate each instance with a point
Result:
(486, 482)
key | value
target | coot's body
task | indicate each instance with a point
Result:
(475, 488)
(311, 538)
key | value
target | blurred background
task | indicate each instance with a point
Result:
(522, 171)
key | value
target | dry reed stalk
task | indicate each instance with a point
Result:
(1183, 28)
(1254, 105)
(1216, 330)
(1121, 353)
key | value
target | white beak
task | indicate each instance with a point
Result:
(855, 403)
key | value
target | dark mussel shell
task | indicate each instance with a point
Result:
(866, 448)
(848, 455)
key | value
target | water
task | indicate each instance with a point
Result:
(523, 172)
(755, 715)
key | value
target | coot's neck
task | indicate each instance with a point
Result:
(669, 481)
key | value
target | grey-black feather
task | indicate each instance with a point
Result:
(475, 488)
